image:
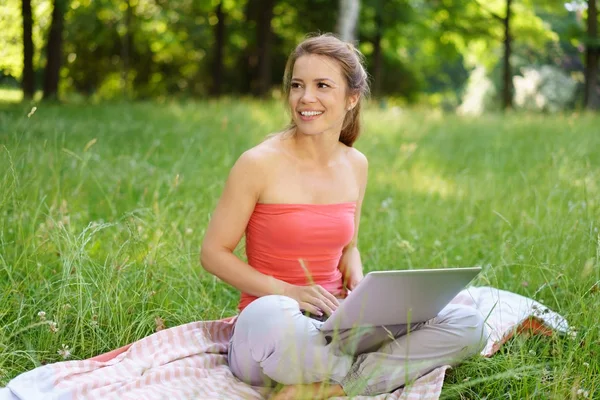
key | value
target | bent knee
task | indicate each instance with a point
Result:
(468, 324)
(269, 307)
(265, 322)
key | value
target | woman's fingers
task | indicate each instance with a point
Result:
(329, 305)
(316, 300)
(334, 302)
(310, 308)
(322, 305)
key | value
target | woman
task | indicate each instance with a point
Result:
(297, 196)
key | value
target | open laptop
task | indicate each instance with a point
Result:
(399, 297)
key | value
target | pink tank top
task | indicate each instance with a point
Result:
(278, 236)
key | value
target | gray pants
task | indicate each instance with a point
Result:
(274, 342)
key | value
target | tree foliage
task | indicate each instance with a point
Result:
(413, 48)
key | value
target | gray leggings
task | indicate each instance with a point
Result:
(274, 342)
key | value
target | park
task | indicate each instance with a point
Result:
(121, 120)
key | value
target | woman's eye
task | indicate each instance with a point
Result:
(322, 85)
(295, 85)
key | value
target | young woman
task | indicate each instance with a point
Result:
(297, 197)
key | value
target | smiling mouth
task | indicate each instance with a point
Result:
(310, 113)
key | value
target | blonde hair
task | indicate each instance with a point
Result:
(350, 60)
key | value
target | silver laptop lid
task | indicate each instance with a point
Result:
(400, 297)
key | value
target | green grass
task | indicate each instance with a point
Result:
(103, 209)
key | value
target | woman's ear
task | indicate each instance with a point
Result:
(352, 101)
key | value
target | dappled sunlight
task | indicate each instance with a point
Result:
(583, 180)
(391, 122)
(271, 116)
(419, 180)
(427, 183)
(10, 95)
(577, 168)
(589, 182)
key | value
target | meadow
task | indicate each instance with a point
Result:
(103, 208)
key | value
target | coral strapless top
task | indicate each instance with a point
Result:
(299, 243)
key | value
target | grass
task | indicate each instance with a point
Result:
(103, 209)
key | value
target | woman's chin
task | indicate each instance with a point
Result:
(311, 130)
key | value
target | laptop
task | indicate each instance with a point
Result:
(399, 297)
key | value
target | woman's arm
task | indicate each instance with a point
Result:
(350, 263)
(226, 228)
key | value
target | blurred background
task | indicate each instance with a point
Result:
(456, 55)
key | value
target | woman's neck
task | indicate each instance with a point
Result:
(319, 149)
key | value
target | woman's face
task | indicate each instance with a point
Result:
(317, 99)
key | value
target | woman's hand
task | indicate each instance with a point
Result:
(313, 299)
(353, 279)
(351, 268)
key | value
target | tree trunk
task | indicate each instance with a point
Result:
(507, 73)
(264, 39)
(592, 99)
(28, 80)
(54, 50)
(377, 56)
(126, 47)
(217, 65)
(348, 19)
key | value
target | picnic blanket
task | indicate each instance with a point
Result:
(190, 361)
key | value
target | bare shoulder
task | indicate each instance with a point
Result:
(359, 162)
(258, 158)
(358, 158)
(252, 170)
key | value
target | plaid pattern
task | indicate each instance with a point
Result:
(190, 361)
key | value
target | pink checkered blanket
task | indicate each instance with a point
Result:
(190, 361)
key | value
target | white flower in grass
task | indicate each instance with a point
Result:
(437, 243)
(189, 231)
(53, 326)
(386, 203)
(583, 393)
(64, 352)
(586, 364)
(42, 315)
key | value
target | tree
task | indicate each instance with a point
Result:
(28, 79)
(507, 86)
(592, 100)
(127, 47)
(264, 40)
(217, 62)
(348, 19)
(54, 49)
(382, 23)
(507, 92)
(377, 51)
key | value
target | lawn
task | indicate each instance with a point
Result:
(103, 209)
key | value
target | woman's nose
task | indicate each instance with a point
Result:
(308, 96)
